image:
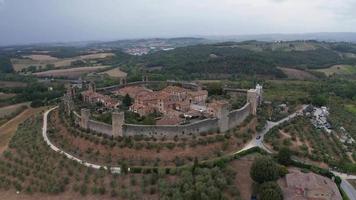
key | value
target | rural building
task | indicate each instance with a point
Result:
(309, 186)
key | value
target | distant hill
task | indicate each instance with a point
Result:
(249, 58)
(322, 36)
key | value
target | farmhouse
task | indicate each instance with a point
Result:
(309, 186)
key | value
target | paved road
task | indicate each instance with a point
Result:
(259, 142)
(69, 156)
(345, 185)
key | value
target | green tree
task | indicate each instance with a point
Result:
(284, 156)
(127, 101)
(264, 169)
(270, 191)
(319, 100)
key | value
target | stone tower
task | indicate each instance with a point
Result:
(259, 91)
(123, 81)
(252, 98)
(144, 76)
(118, 120)
(222, 114)
(92, 87)
(85, 114)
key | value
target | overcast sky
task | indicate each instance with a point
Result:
(32, 21)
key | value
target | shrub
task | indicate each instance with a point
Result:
(264, 169)
(284, 156)
(270, 191)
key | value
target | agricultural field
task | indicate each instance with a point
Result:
(40, 57)
(8, 129)
(12, 108)
(12, 84)
(339, 70)
(39, 173)
(4, 96)
(297, 74)
(69, 73)
(287, 90)
(43, 61)
(115, 73)
(311, 145)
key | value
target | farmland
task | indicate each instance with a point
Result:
(4, 96)
(339, 70)
(9, 109)
(7, 130)
(69, 73)
(43, 61)
(116, 73)
(12, 84)
(297, 74)
(41, 172)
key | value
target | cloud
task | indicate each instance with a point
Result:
(68, 20)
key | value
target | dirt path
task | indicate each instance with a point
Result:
(8, 129)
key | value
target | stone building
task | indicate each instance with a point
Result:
(309, 186)
(92, 97)
(255, 98)
(220, 117)
(169, 99)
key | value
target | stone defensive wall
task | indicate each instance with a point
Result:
(233, 119)
(223, 121)
(236, 117)
(100, 127)
(171, 131)
(189, 85)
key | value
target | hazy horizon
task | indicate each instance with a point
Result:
(48, 21)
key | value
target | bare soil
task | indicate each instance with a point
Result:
(243, 180)
(297, 74)
(116, 73)
(12, 84)
(40, 57)
(70, 73)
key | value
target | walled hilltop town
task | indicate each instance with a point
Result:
(183, 109)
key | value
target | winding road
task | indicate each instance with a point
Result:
(116, 170)
(259, 142)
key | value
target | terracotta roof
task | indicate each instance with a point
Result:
(169, 120)
(198, 93)
(132, 91)
(174, 89)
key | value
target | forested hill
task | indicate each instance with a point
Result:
(249, 58)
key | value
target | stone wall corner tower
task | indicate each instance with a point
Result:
(223, 116)
(84, 121)
(118, 120)
(254, 97)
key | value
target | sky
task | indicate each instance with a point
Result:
(38, 21)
